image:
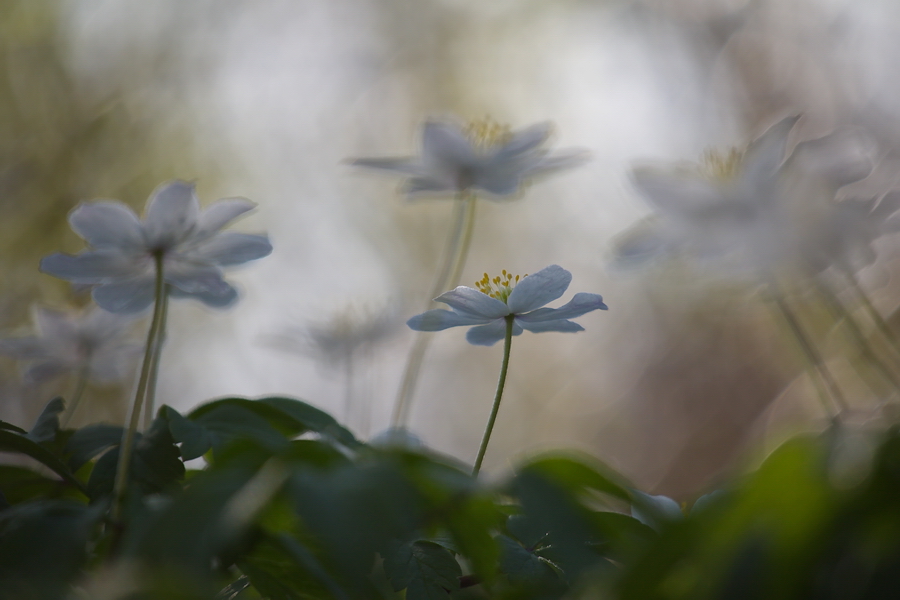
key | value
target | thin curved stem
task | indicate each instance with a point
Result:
(813, 357)
(127, 446)
(150, 402)
(507, 344)
(80, 384)
(454, 262)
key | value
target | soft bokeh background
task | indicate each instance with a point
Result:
(268, 99)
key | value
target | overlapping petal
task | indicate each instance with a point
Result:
(490, 334)
(126, 295)
(93, 266)
(219, 214)
(439, 319)
(232, 248)
(107, 224)
(560, 325)
(580, 304)
(538, 289)
(472, 303)
(172, 214)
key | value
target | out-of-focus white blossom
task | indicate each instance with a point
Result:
(121, 261)
(95, 340)
(755, 212)
(482, 157)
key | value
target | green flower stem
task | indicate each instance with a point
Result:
(840, 312)
(824, 379)
(507, 344)
(127, 446)
(454, 262)
(150, 401)
(80, 384)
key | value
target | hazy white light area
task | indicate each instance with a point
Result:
(271, 98)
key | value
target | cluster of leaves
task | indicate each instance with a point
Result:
(288, 504)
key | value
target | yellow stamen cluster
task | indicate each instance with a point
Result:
(722, 166)
(487, 133)
(498, 287)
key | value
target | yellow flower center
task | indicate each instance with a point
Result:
(498, 287)
(721, 166)
(487, 133)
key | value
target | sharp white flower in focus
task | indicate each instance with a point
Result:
(488, 307)
(752, 211)
(121, 260)
(484, 156)
(95, 340)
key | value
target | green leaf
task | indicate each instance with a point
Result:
(426, 570)
(524, 568)
(655, 511)
(224, 421)
(14, 442)
(47, 424)
(195, 439)
(312, 418)
(575, 474)
(19, 484)
(88, 442)
(11, 427)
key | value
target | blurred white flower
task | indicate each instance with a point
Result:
(495, 300)
(484, 156)
(94, 342)
(754, 212)
(123, 249)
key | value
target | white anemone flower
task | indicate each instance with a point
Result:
(121, 261)
(481, 157)
(496, 299)
(94, 342)
(748, 212)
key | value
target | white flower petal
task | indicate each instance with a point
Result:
(444, 145)
(580, 304)
(538, 289)
(94, 266)
(231, 248)
(45, 371)
(560, 325)
(562, 159)
(677, 193)
(490, 334)
(439, 319)
(108, 224)
(126, 296)
(222, 297)
(427, 185)
(469, 302)
(219, 214)
(172, 214)
(766, 153)
(524, 140)
(24, 348)
(500, 181)
(192, 278)
(54, 324)
(408, 166)
(641, 243)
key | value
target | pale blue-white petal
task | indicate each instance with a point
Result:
(439, 319)
(561, 325)
(444, 145)
(427, 185)
(108, 224)
(537, 289)
(172, 213)
(126, 296)
(93, 266)
(677, 193)
(45, 371)
(490, 334)
(221, 297)
(219, 214)
(54, 325)
(641, 243)
(556, 161)
(192, 278)
(469, 302)
(524, 140)
(407, 166)
(231, 248)
(23, 348)
(502, 180)
(581, 303)
(841, 158)
(765, 154)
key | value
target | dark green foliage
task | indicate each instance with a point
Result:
(291, 506)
